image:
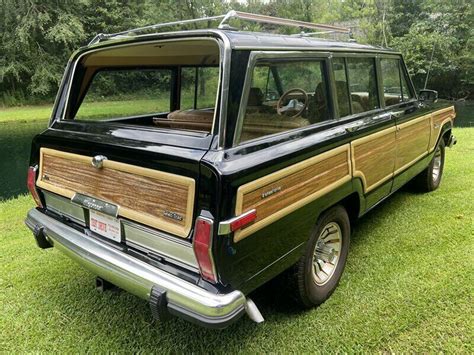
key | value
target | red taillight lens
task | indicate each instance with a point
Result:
(243, 220)
(31, 183)
(203, 248)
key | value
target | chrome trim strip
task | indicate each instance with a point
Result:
(136, 276)
(224, 226)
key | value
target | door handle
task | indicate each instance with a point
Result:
(352, 129)
(382, 116)
(398, 114)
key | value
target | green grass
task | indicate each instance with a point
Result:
(90, 110)
(99, 109)
(407, 287)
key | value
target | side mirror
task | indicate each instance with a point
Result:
(428, 96)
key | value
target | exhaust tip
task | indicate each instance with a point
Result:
(253, 311)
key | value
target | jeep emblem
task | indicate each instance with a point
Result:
(98, 161)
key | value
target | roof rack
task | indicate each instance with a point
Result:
(224, 20)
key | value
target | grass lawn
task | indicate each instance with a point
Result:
(407, 287)
(91, 110)
(94, 110)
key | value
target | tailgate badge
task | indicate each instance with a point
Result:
(98, 161)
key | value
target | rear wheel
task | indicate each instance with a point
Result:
(320, 268)
(430, 178)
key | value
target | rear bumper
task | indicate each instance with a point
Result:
(178, 297)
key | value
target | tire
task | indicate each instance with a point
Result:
(430, 178)
(313, 285)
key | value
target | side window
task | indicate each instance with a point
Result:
(395, 86)
(342, 90)
(406, 93)
(362, 84)
(284, 95)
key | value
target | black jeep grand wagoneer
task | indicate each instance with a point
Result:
(191, 167)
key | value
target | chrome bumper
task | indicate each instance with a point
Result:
(181, 298)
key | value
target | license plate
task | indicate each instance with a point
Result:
(104, 225)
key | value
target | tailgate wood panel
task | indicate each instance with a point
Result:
(144, 195)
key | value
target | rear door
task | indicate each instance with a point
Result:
(413, 122)
(372, 128)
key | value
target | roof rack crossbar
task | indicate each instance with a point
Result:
(224, 24)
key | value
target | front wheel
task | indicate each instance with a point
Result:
(430, 178)
(320, 268)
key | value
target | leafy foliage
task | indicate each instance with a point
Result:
(38, 36)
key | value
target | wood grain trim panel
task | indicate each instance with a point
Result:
(413, 138)
(438, 120)
(373, 158)
(142, 194)
(292, 187)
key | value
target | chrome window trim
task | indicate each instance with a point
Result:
(253, 58)
(315, 48)
(222, 51)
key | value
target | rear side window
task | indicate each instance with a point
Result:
(362, 84)
(128, 92)
(395, 87)
(342, 89)
(284, 95)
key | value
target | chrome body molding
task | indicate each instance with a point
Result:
(183, 298)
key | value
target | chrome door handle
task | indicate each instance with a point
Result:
(398, 114)
(382, 116)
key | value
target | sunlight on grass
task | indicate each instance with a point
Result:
(407, 287)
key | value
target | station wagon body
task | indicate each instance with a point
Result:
(255, 153)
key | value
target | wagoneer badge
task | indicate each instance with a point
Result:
(98, 161)
(173, 215)
(271, 192)
(95, 204)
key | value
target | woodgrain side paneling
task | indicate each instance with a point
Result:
(373, 158)
(142, 194)
(438, 120)
(413, 138)
(278, 194)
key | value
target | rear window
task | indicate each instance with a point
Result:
(171, 85)
(127, 92)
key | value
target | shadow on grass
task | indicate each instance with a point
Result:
(119, 315)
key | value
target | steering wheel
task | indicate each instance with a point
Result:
(294, 105)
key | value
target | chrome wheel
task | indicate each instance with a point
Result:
(436, 165)
(326, 253)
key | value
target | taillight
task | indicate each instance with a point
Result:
(31, 183)
(202, 245)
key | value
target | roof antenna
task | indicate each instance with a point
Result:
(429, 68)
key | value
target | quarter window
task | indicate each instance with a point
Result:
(284, 95)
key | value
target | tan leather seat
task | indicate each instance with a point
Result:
(200, 120)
